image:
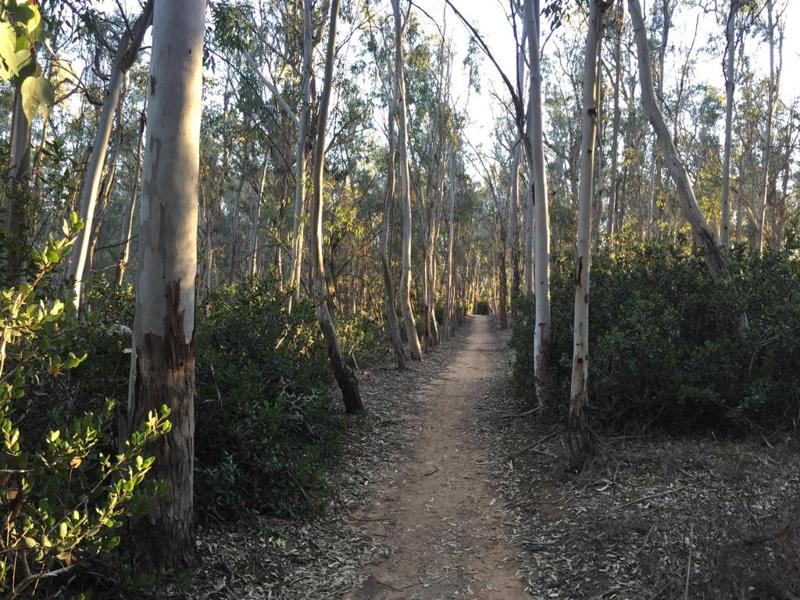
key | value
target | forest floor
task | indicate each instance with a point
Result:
(450, 488)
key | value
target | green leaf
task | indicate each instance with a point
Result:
(8, 45)
(38, 97)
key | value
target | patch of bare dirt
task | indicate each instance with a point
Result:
(441, 513)
(323, 557)
(651, 517)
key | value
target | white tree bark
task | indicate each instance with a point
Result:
(541, 220)
(730, 88)
(612, 197)
(301, 155)
(126, 55)
(163, 357)
(579, 435)
(771, 97)
(714, 258)
(404, 188)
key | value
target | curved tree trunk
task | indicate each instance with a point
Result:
(702, 234)
(404, 189)
(163, 357)
(392, 325)
(126, 55)
(345, 376)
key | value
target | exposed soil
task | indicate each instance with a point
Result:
(441, 512)
(450, 488)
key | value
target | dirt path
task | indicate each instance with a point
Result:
(440, 512)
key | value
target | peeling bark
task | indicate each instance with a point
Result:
(163, 357)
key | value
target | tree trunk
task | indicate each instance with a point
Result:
(16, 229)
(541, 222)
(126, 55)
(345, 376)
(237, 203)
(516, 273)
(127, 221)
(163, 357)
(702, 234)
(613, 194)
(392, 325)
(762, 220)
(580, 436)
(730, 87)
(107, 186)
(404, 189)
(448, 327)
(252, 270)
(301, 155)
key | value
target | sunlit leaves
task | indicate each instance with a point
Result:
(20, 30)
(37, 97)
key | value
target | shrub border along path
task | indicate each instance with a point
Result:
(322, 557)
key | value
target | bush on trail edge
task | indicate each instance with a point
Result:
(669, 350)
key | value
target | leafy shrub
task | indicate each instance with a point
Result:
(66, 488)
(674, 349)
(266, 427)
(264, 430)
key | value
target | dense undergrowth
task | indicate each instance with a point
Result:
(672, 349)
(267, 426)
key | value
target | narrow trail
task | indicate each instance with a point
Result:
(440, 512)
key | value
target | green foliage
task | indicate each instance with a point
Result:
(20, 30)
(66, 489)
(266, 428)
(264, 431)
(671, 348)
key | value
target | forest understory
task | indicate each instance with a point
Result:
(651, 517)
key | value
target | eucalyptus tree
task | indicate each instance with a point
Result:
(163, 354)
(345, 376)
(580, 436)
(773, 88)
(702, 233)
(126, 52)
(404, 190)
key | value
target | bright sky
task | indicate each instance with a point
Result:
(489, 16)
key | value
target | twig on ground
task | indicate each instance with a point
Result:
(652, 497)
(533, 446)
(522, 414)
(689, 563)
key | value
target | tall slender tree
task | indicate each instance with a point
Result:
(345, 377)
(404, 189)
(163, 356)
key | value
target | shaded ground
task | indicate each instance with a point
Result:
(324, 557)
(651, 518)
(452, 489)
